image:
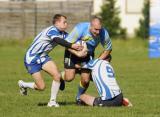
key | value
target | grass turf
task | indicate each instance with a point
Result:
(137, 75)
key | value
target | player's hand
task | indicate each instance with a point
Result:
(77, 47)
(82, 53)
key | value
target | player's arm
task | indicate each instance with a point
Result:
(105, 54)
(64, 43)
(107, 44)
(87, 99)
(54, 36)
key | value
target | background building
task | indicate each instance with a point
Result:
(25, 18)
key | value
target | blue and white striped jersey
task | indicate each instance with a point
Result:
(43, 43)
(104, 78)
(82, 32)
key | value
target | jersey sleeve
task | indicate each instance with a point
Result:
(74, 35)
(106, 41)
(53, 34)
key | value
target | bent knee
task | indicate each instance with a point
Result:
(41, 88)
(85, 81)
(69, 80)
(57, 77)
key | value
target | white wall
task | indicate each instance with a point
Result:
(154, 11)
(97, 6)
(130, 13)
(129, 16)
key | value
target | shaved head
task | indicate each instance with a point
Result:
(96, 20)
(96, 26)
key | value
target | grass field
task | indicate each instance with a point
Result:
(137, 75)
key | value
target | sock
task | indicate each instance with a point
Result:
(62, 75)
(54, 90)
(81, 90)
(29, 85)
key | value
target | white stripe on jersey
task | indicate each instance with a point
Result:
(103, 77)
(43, 43)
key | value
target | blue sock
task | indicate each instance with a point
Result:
(81, 90)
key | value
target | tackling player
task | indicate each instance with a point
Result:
(104, 78)
(37, 59)
(92, 33)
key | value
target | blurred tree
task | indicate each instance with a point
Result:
(143, 30)
(111, 20)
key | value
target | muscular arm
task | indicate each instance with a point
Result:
(105, 54)
(107, 44)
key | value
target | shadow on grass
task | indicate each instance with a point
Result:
(60, 103)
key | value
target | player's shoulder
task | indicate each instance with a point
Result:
(104, 30)
(83, 24)
(104, 33)
(52, 30)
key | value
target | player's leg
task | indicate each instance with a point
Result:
(51, 68)
(69, 73)
(87, 99)
(38, 84)
(83, 85)
(113, 102)
(85, 78)
(66, 75)
(34, 69)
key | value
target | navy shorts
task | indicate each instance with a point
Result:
(70, 59)
(116, 101)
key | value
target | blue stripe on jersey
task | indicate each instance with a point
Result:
(46, 46)
(99, 88)
(33, 48)
(109, 45)
(50, 31)
(92, 63)
(40, 48)
(108, 93)
(37, 37)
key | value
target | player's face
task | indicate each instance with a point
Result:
(62, 24)
(95, 28)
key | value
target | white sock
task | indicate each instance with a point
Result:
(28, 85)
(54, 90)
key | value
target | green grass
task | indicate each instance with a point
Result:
(137, 75)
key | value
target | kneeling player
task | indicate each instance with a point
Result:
(104, 78)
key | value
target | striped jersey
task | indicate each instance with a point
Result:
(104, 78)
(43, 43)
(82, 32)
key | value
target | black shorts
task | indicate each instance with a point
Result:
(116, 101)
(70, 60)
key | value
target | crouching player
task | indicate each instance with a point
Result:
(104, 78)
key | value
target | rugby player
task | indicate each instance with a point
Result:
(37, 59)
(92, 33)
